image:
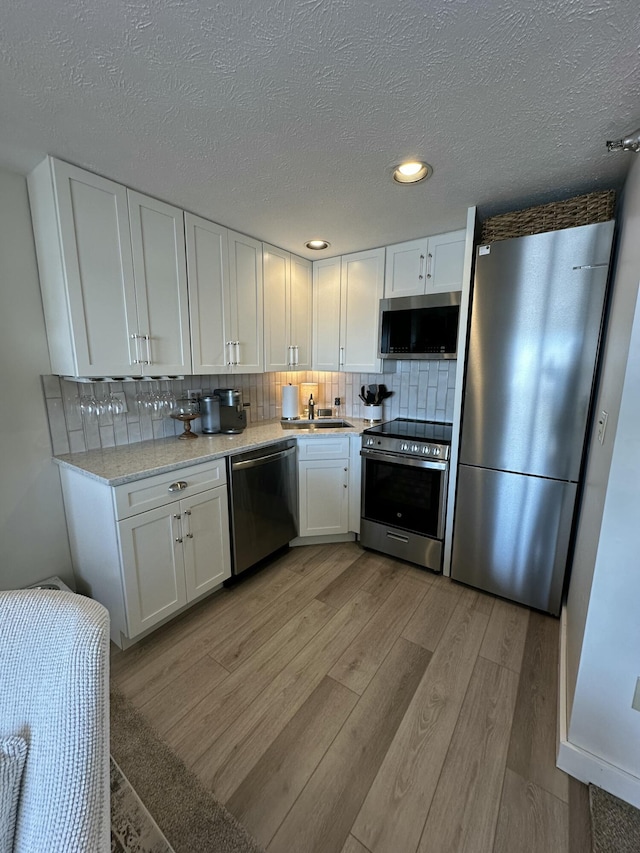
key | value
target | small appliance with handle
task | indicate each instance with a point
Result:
(233, 418)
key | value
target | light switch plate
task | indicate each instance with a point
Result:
(602, 425)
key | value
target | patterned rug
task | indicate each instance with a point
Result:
(158, 806)
(615, 825)
(133, 830)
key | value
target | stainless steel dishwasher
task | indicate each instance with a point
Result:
(263, 502)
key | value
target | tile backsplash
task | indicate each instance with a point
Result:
(421, 389)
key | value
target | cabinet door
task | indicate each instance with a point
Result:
(277, 320)
(406, 269)
(205, 533)
(446, 262)
(245, 278)
(323, 497)
(326, 314)
(362, 284)
(300, 311)
(209, 297)
(86, 269)
(152, 566)
(159, 264)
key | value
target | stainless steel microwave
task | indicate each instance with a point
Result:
(423, 327)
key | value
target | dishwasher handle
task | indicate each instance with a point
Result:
(261, 460)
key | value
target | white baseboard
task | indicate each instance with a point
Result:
(322, 540)
(579, 762)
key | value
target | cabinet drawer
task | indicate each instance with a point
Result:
(161, 489)
(329, 447)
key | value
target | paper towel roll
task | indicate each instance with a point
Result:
(290, 402)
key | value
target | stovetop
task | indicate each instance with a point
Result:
(410, 437)
(414, 429)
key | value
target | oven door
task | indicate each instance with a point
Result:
(404, 492)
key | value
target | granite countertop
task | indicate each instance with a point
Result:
(118, 465)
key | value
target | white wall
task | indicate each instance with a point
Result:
(625, 288)
(33, 536)
(603, 608)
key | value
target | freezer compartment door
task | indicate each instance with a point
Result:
(511, 535)
(535, 325)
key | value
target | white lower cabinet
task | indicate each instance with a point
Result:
(173, 555)
(147, 549)
(153, 567)
(324, 497)
(323, 486)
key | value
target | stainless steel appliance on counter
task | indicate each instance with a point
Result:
(405, 471)
(233, 418)
(535, 324)
(209, 406)
(263, 502)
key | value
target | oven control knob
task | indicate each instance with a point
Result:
(370, 442)
(436, 451)
(415, 448)
(404, 447)
(426, 449)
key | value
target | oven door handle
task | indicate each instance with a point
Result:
(399, 459)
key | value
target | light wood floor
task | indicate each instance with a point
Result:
(342, 701)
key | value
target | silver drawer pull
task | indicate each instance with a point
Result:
(180, 486)
(403, 539)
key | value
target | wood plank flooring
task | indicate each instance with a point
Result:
(345, 702)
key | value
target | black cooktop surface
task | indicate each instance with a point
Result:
(414, 430)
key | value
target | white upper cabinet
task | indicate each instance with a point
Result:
(209, 297)
(362, 285)
(114, 266)
(225, 298)
(160, 275)
(287, 310)
(245, 341)
(429, 265)
(326, 313)
(346, 297)
(112, 275)
(83, 243)
(301, 305)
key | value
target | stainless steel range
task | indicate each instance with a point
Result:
(405, 471)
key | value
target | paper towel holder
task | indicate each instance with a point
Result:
(290, 417)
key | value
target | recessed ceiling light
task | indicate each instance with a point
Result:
(317, 244)
(411, 172)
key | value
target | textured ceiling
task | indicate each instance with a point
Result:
(281, 119)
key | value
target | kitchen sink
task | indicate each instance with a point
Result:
(317, 423)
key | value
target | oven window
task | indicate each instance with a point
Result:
(402, 496)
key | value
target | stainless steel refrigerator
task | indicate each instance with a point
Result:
(535, 324)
